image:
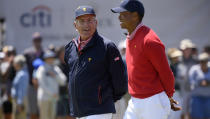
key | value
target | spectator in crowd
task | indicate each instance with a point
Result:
(32, 53)
(7, 107)
(2, 55)
(36, 64)
(122, 49)
(183, 67)
(199, 76)
(6, 69)
(63, 104)
(207, 50)
(195, 53)
(49, 78)
(96, 70)
(174, 56)
(7, 72)
(150, 79)
(52, 48)
(20, 87)
(122, 104)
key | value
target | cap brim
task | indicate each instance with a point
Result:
(118, 10)
(84, 14)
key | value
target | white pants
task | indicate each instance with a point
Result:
(99, 116)
(120, 107)
(154, 107)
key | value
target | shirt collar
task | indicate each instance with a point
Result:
(84, 41)
(78, 42)
(130, 37)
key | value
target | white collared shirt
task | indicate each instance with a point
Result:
(130, 37)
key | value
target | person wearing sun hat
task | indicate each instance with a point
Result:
(97, 76)
(187, 61)
(150, 79)
(199, 76)
(174, 56)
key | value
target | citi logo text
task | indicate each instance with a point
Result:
(39, 16)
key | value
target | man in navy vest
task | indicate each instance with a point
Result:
(97, 76)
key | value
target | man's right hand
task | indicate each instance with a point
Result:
(204, 83)
(174, 104)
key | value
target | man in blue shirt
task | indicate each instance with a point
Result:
(20, 87)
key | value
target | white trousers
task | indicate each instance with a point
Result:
(154, 107)
(120, 107)
(99, 116)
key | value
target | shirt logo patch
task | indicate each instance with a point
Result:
(134, 46)
(116, 59)
(84, 9)
(89, 59)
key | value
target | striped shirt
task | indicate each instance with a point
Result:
(81, 44)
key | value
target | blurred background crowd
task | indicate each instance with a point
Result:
(34, 82)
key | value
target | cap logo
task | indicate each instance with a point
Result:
(89, 59)
(84, 9)
(116, 59)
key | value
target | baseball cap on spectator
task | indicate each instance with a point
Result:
(131, 6)
(186, 43)
(83, 10)
(36, 36)
(37, 62)
(203, 57)
(49, 54)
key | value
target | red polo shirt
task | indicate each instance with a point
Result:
(148, 69)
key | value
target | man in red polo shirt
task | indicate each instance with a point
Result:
(150, 79)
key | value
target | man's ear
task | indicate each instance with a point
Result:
(75, 25)
(137, 16)
(96, 22)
